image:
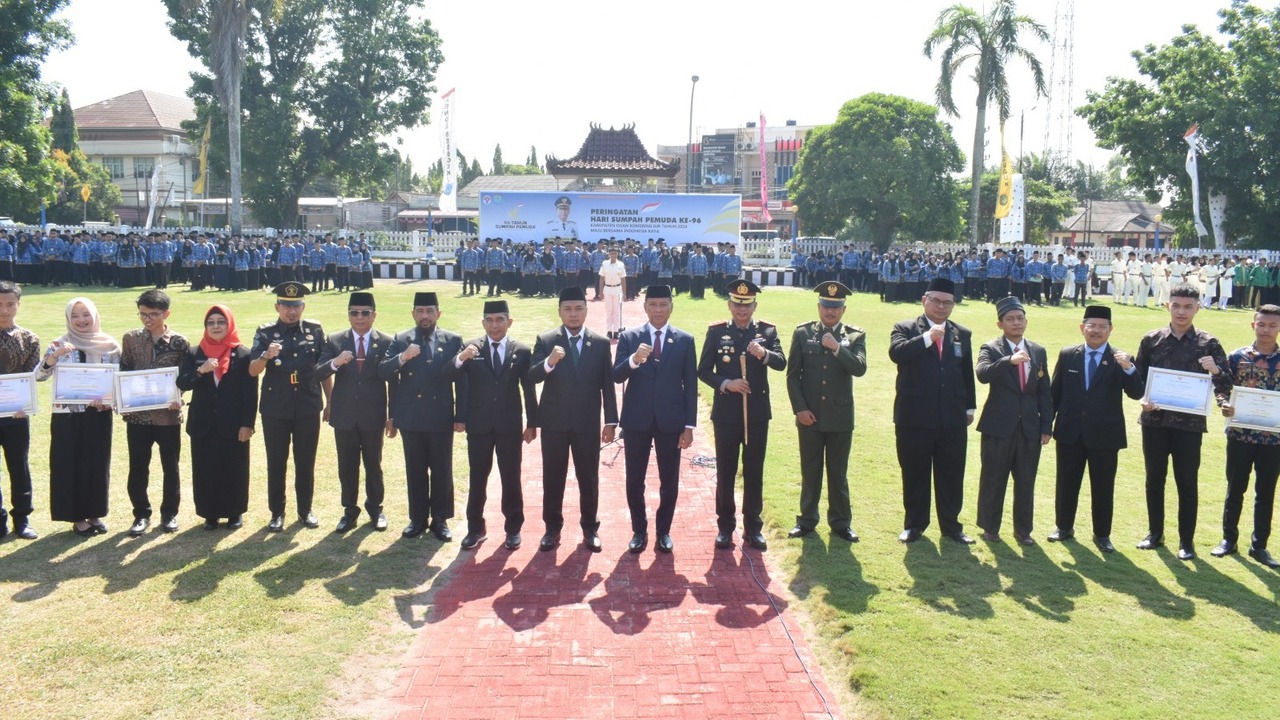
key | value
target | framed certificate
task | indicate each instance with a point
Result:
(83, 383)
(138, 390)
(17, 394)
(1255, 409)
(1178, 391)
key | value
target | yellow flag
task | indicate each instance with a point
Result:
(1004, 197)
(197, 188)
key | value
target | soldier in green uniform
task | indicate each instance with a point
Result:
(825, 356)
(741, 409)
(285, 353)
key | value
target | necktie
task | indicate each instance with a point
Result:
(1090, 369)
(573, 349)
(657, 345)
(359, 353)
(1022, 373)
(497, 358)
(939, 344)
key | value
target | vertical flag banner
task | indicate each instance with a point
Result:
(449, 185)
(1013, 225)
(1193, 169)
(153, 192)
(1218, 218)
(764, 177)
(1004, 196)
(198, 188)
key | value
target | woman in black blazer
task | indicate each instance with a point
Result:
(224, 403)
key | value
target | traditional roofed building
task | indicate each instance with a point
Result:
(611, 154)
(1114, 223)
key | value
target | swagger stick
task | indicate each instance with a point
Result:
(743, 361)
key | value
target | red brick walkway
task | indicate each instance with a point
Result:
(571, 634)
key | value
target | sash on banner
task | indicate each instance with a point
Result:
(449, 159)
(1193, 137)
(764, 177)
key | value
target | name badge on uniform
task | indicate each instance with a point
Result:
(956, 349)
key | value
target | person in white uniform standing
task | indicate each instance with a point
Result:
(612, 274)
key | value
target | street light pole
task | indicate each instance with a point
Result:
(688, 148)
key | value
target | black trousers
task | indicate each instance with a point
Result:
(1001, 457)
(428, 463)
(1242, 460)
(330, 275)
(15, 440)
(344, 278)
(277, 435)
(481, 448)
(161, 275)
(666, 445)
(938, 453)
(168, 438)
(729, 437)
(818, 451)
(355, 446)
(495, 281)
(556, 448)
(698, 286)
(1102, 463)
(1159, 445)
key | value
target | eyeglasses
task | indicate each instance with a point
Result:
(359, 313)
(150, 315)
(1096, 326)
(214, 323)
(940, 303)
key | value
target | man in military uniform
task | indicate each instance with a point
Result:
(562, 226)
(825, 356)
(287, 351)
(741, 409)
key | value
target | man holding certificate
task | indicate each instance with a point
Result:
(1175, 431)
(19, 354)
(1252, 449)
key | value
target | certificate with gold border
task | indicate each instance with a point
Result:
(1178, 391)
(1255, 409)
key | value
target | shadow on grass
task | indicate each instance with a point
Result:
(1117, 573)
(1200, 579)
(402, 565)
(1037, 583)
(254, 549)
(541, 585)
(633, 592)
(836, 568)
(950, 578)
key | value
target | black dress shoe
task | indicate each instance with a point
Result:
(380, 523)
(309, 520)
(1062, 535)
(98, 525)
(756, 540)
(169, 523)
(664, 544)
(960, 537)
(592, 541)
(724, 540)
(846, 534)
(472, 540)
(87, 532)
(1226, 547)
(26, 532)
(799, 532)
(211, 523)
(513, 541)
(1025, 539)
(235, 522)
(638, 543)
(1264, 557)
(549, 542)
(1151, 542)
(139, 527)
(1186, 553)
(412, 531)
(346, 524)
(276, 524)
(441, 531)
(990, 537)
(1104, 544)
(909, 535)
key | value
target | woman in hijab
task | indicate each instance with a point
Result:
(220, 421)
(80, 435)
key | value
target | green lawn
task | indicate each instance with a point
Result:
(305, 624)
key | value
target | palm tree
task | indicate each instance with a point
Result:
(228, 25)
(990, 40)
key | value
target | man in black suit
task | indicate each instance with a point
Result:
(659, 365)
(1016, 421)
(932, 411)
(426, 408)
(741, 409)
(357, 408)
(1089, 382)
(497, 376)
(574, 367)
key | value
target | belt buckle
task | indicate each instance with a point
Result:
(293, 378)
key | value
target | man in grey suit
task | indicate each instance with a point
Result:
(1016, 421)
(1089, 382)
(497, 371)
(574, 366)
(356, 408)
(427, 409)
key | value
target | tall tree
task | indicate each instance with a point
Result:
(62, 125)
(885, 164)
(991, 41)
(499, 168)
(533, 158)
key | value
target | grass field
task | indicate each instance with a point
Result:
(306, 624)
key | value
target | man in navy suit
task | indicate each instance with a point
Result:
(426, 415)
(497, 378)
(1089, 382)
(659, 410)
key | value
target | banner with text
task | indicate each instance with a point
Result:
(591, 217)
